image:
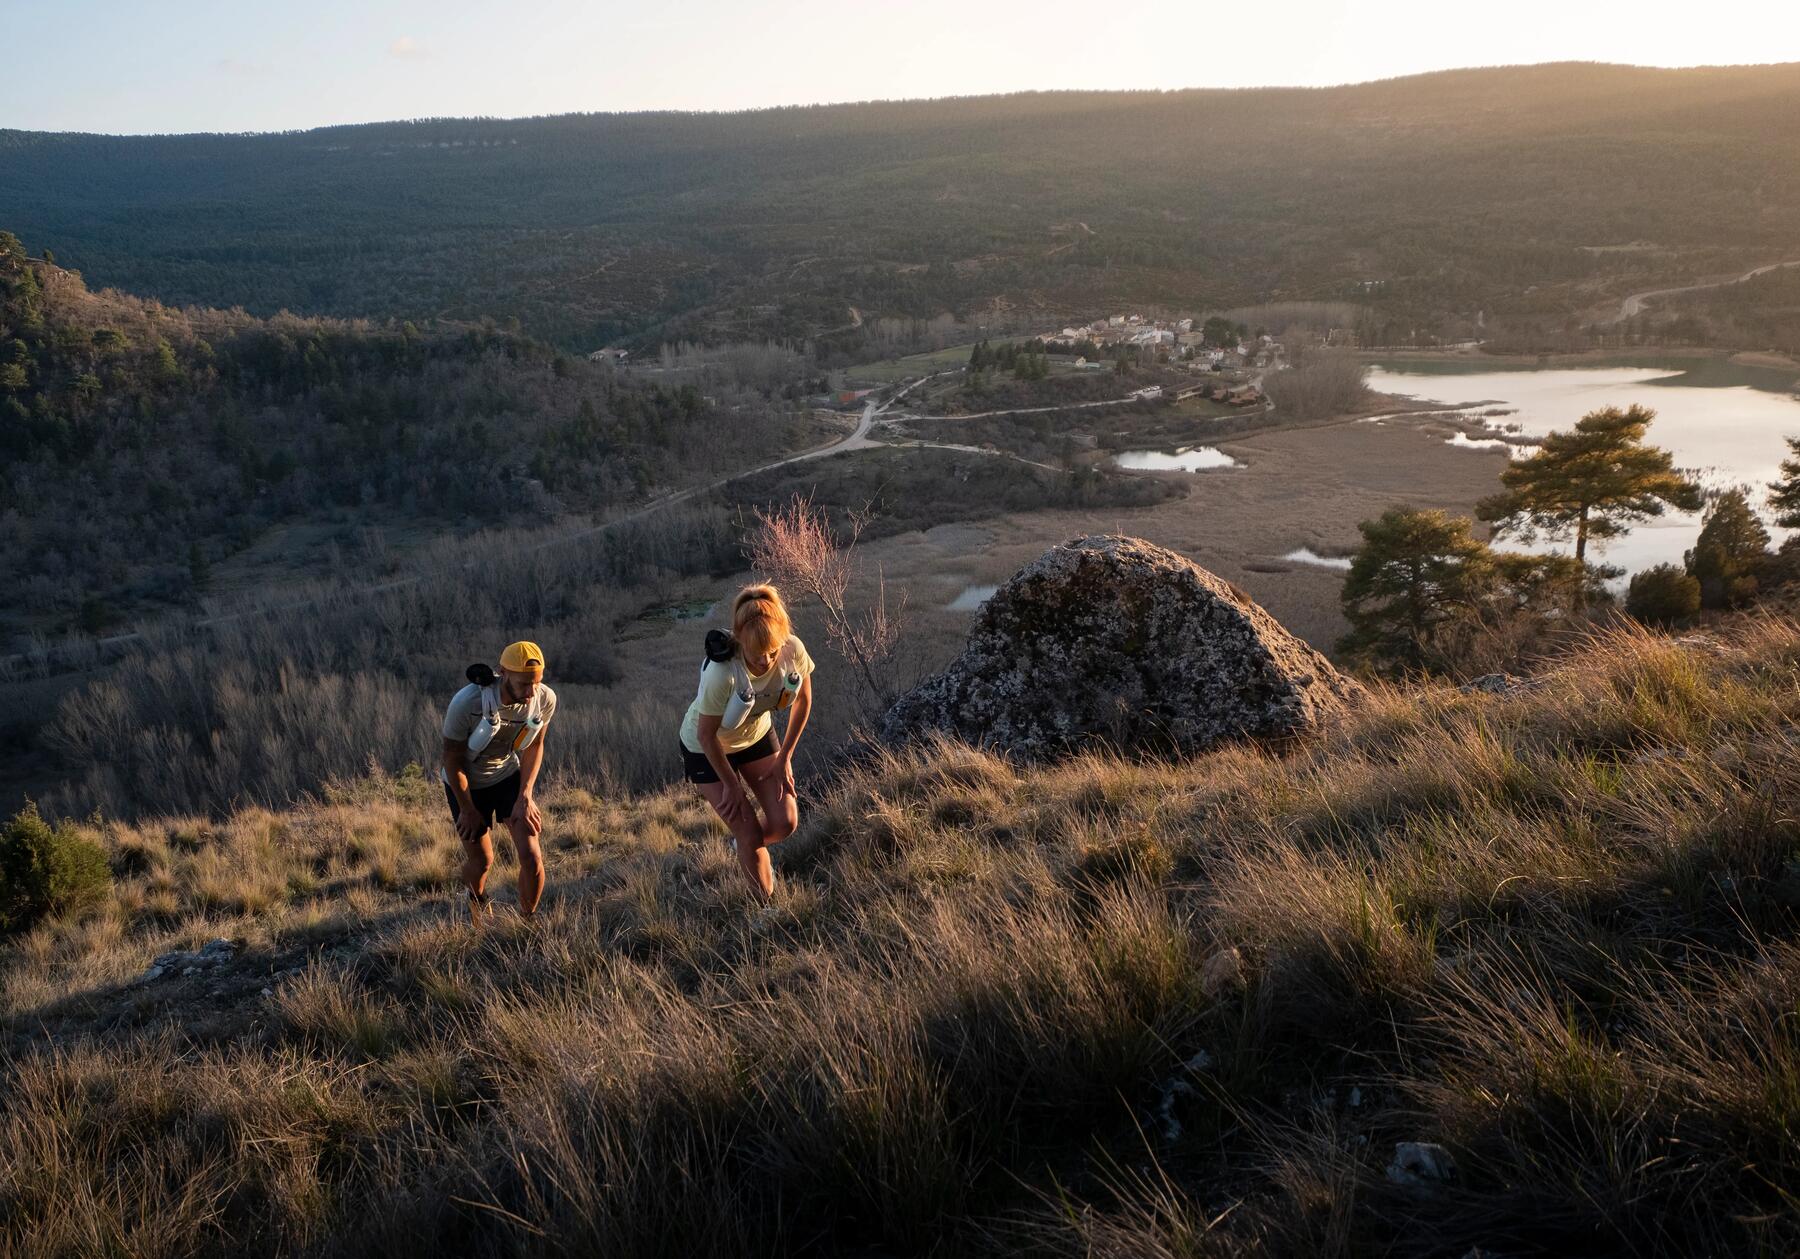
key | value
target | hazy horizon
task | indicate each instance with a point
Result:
(211, 67)
(880, 100)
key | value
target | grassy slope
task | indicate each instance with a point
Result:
(1552, 930)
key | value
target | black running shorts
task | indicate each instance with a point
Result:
(494, 799)
(700, 770)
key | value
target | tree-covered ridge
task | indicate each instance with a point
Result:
(1518, 195)
(141, 444)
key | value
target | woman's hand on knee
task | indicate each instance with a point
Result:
(734, 801)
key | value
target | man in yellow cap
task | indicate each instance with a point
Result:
(493, 748)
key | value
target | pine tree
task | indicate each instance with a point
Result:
(1594, 481)
(165, 370)
(1784, 495)
(1416, 572)
(1730, 553)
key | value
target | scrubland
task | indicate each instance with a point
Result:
(1102, 1008)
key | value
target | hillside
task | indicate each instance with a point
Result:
(1097, 1009)
(1527, 196)
(143, 447)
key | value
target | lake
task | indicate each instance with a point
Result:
(1723, 424)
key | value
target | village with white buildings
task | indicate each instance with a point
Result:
(1216, 347)
(1179, 340)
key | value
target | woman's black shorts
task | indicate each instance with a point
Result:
(496, 798)
(700, 770)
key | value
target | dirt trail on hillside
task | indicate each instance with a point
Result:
(1634, 305)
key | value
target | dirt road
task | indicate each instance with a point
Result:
(1635, 304)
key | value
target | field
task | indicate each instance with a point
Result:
(894, 370)
(1298, 487)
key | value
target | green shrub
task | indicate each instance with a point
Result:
(1663, 595)
(45, 870)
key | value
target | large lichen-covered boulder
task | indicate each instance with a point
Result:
(1115, 641)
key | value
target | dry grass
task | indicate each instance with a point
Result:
(1553, 931)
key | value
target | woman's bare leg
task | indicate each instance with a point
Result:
(780, 810)
(780, 817)
(747, 828)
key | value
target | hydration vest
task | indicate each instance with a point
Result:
(743, 695)
(490, 722)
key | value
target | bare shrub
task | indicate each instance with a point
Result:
(1323, 384)
(794, 547)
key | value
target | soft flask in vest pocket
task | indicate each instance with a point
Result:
(490, 722)
(743, 695)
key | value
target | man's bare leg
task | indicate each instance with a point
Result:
(531, 866)
(478, 859)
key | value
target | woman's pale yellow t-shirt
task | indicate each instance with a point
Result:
(715, 693)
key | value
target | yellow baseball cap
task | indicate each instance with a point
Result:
(523, 657)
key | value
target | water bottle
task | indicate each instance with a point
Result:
(742, 700)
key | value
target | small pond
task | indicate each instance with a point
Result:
(1305, 555)
(1187, 459)
(971, 598)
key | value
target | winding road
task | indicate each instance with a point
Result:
(1635, 304)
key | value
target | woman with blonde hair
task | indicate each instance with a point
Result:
(728, 744)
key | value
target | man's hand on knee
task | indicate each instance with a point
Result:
(526, 815)
(470, 827)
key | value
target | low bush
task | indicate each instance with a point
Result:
(1663, 595)
(47, 870)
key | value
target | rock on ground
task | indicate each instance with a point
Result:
(1418, 1163)
(1116, 641)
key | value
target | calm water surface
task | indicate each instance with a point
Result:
(1187, 459)
(1723, 424)
(971, 598)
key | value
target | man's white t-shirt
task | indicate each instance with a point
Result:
(501, 756)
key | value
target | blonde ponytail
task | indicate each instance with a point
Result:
(759, 619)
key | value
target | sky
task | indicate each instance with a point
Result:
(124, 66)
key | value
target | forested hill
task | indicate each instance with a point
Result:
(1503, 191)
(141, 445)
